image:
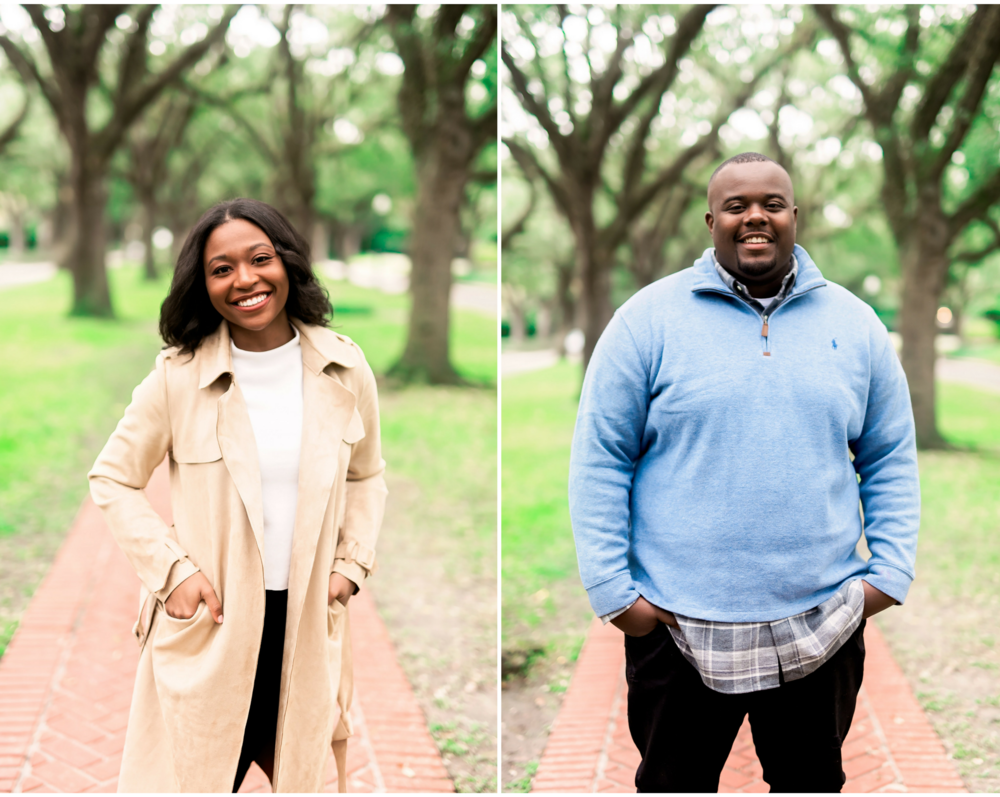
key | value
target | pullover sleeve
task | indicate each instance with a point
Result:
(607, 443)
(366, 490)
(138, 444)
(885, 456)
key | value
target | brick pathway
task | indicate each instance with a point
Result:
(891, 746)
(66, 681)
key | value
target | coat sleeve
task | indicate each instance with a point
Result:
(366, 491)
(138, 444)
(607, 443)
(885, 456)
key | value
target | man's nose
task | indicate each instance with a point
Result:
(755, 215)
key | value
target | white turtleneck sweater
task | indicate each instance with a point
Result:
(271, 383)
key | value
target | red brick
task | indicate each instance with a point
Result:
(106, 768)
(70, 752)
(733, 779)
(433, 785)
(862, 764)
(61, 776)
(870, 781)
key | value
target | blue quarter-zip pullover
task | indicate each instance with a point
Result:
(711, 469)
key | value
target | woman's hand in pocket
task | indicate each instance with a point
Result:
(642, 618)
(183, 601)
(341, 588)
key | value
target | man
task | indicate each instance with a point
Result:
(715, 501)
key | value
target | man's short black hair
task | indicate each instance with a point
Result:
(743, 157)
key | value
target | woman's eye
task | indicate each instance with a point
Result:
(257, 261)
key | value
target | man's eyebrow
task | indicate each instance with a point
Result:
(250, 248)
(766, 196)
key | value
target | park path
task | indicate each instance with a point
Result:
(66, 681)
(891, 746)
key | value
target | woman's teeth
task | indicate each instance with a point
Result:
(253, 300)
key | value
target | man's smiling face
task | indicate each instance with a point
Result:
(752, 215)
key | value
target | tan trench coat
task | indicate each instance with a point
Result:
(195, 677)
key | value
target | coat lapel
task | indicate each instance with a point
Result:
(234, 430)
(239, 452)
(327, 409)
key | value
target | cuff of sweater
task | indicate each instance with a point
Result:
(351, 570)
(614, 593)
(182, 569)
(891, 580)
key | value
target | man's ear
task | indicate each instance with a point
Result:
(710, 220)
(795, 222)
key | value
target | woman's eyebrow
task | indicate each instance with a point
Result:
(250, 248)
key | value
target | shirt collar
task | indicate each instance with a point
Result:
(320, 347)
(740, 289)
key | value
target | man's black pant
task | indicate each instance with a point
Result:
(685, 731)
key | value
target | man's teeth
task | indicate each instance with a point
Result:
(756, 240)
(253, 300)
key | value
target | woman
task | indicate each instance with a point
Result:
(271, 423)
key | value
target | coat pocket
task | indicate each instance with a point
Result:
(194, 449)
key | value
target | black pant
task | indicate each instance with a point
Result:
(262, 721)
(685, 731)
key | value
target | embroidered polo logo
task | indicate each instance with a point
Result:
(834, 343)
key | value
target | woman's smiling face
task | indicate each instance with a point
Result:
(246, 280)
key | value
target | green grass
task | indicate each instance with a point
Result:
(66, 383)
(959, 548)
(540, 577)
(377, 322)
(981, 349)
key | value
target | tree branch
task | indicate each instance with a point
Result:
(984, 57)
(977, 255)
(485, 35)
(537, 109)
(107, 139)
(939, 87)
(133, 65)
(10, 133)
(29, 73)
(975, 206)
(529, 164)
(413, 89)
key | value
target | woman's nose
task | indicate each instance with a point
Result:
(245, 276)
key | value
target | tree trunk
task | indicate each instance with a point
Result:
(148, 220)
(594, 263)
(923, 283)
(86, 256)
(16, 242)
(320, 242)
(565, 273)
(441, 185)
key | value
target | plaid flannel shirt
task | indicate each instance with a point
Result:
(735, 658)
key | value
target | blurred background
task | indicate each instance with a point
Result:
(373, 129)
(888, 120)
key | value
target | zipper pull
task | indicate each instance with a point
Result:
(763, 329)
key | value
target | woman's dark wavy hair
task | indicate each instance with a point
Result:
(187, 316)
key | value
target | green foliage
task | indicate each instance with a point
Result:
(805, 112)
